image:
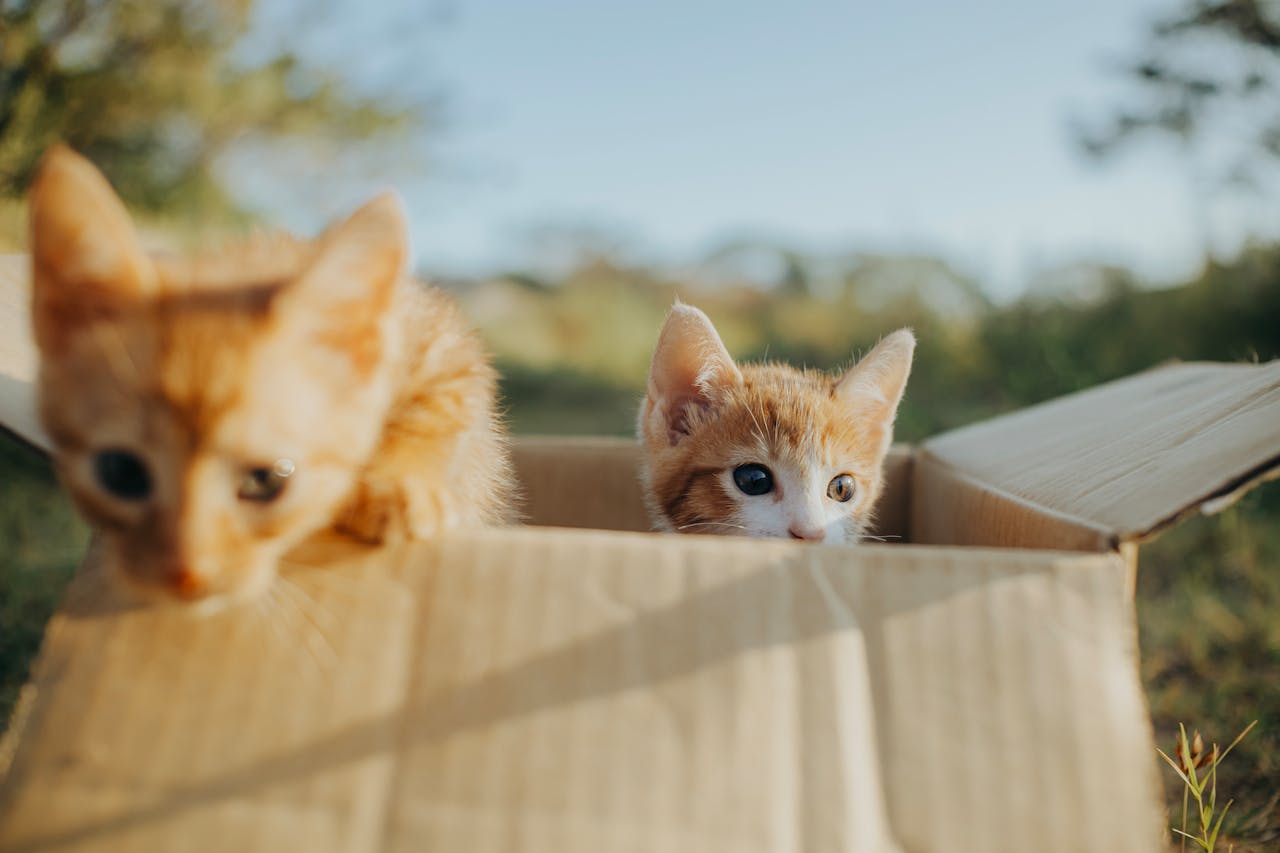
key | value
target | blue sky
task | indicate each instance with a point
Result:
(905, 126)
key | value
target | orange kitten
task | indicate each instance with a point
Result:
(210, 412)
(765, 450)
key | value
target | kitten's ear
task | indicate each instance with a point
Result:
(84, 250)
(358, 260)
(346, 289)
(691, 367)
(873, 387)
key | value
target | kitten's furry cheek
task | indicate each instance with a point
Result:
(118, 588)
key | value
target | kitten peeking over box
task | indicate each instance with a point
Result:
(765, 450)
(209, 412)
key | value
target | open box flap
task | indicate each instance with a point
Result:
(18, 354)
(589, 692)
(1133, 456)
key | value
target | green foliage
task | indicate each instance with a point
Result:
(600, 324)
(1208, 75)
(1203, 788)
(1208, 592)
(42, 543)
(154, 92)
(566, 401)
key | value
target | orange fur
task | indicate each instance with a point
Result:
(204, 368)
(704, 416)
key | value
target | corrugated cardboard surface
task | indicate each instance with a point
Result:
(1132, 456)
(580, 482)
(957, 509)
(535, 690)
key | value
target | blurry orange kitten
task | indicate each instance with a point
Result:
(209, 412)
(765, 450)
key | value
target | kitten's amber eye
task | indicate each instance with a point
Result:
(122, 474)
(265, 484)
(841, 488)
(753, 479)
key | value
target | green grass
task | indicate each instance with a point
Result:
(1208, 599)
(41, 542)
(1196, 766)
(541, 402)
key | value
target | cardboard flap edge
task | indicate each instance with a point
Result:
(1134, 456)
(1217, 500)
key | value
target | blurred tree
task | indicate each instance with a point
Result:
(154, 91)
(1210, 76)
(794, 280)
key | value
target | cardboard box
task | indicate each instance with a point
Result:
(586, 691)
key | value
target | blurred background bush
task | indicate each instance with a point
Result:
(210, 117)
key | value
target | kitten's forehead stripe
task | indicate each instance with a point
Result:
(204, 355)
(796, 413)
(211, 311)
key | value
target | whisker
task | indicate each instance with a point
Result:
(302, 604)
(711, 524)
(334, 581)
(878, 538)
(268, 606)
(314, 639)
(315, 612)
(759, 431)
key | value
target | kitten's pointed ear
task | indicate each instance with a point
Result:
(357, 262)
(691, 367)
(873, 387)
(84, 250)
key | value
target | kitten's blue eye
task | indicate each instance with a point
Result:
(753, 479)
(265, 484)
(841, 488)
(122, 474)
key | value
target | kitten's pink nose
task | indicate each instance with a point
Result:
(808, 534)
(186, 583)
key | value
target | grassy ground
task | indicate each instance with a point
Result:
(1208, 599)
(1208, 595)
(41, 542)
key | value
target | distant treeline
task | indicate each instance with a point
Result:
(574, 353)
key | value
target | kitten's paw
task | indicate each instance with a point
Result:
(373, 515)
(391, 515)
